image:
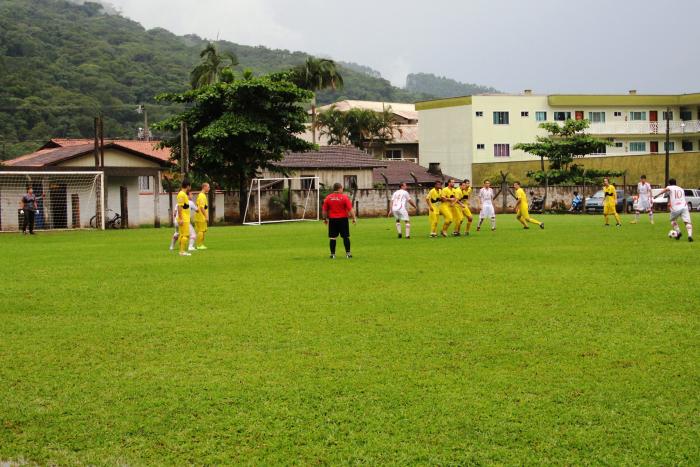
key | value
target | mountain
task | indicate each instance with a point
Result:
(439, 86)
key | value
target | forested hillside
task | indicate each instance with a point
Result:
(61, 64)
(439, 86)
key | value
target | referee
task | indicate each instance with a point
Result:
(336, 210)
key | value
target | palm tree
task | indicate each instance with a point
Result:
(317, 74)
(213, 67)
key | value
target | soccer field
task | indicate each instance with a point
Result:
(572, 345)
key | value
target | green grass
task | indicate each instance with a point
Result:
(572, 345)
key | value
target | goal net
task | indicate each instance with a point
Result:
(275, 200)
(64, 200)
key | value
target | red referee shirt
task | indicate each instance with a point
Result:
(337, 205)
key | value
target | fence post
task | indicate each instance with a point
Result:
(124, 201)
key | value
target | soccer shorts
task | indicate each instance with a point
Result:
(643, 204)
(200, 226)
(609, 209)
(684, 214)
(401, 215)
(184, 230)
(487, 211)
(433, 217)
(446, 212)
(523, 212)
(338, 227)
(457, 215)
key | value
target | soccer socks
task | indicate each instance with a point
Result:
(346, 243)
(636, 217)
(493, 223)
(192, 239)
(200, 238)
(675, 227)
(651, 216)
(607, 222)
(469, 226)
(183, 243)
(332, 244)
(533, 221)
(617, 218)
(689, 228)
(173, 240)
(398, 228)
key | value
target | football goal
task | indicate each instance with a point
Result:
(64, 200)
(275, 200)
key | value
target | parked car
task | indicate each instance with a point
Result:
(692, 197)
(595, 202)
(660, 203)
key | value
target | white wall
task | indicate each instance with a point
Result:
(445, 137)
(147, 214)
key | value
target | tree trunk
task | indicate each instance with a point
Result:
(313, 119)
(212, 204)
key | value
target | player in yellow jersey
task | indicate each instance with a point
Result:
(465, 191)
(433, 200)
(457, 215)
(522, 212)
(448, 201)
(610, 202)
(183, 217)
(201, 217)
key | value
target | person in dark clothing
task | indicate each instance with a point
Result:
(28, 207)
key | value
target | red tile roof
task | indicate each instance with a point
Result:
(57, 150)
(400, 171)
(330, 157)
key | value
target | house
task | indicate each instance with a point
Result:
(344, 164)
(474, 136)
(129, 166)
(404, 146)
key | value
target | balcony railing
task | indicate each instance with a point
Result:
(676, 127)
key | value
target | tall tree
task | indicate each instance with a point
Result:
(317, 74)
(239, 127)
(213, 68)
(564, 144)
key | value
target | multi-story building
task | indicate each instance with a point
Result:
(474, 136)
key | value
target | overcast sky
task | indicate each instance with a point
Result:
(551, 46)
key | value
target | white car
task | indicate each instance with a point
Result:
(692, 197)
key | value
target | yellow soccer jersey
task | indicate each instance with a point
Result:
(521, 196)
(184, 201)
(466, 193)
(447, 193)
(202, 213)
(458, 193)
(434, 195)
(612, 198)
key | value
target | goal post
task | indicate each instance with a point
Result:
(65, 200)
(284, 199)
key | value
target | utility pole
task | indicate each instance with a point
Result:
(96, 151)
(668, 144)
(102, 143)
(184, 150)
(141, 109)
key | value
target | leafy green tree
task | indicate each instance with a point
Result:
(317, 74)
(361, 128)
(214, 67)
(564, 144)
(239, 127)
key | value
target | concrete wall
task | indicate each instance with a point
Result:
(685, 167)
(445, 137)
(146, 208)
(113, 158)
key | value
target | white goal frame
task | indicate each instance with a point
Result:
(256, 187)
(99, 178)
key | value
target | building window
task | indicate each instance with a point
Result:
(144, 183)
(619, 144)
(393, 154)
(524, 113)
(596, 117)
(480, 114)
(638, 116)
(687, 145)
(617, 114)
(671, 145)
(501, 150)
(480, 146)
(638, 146)
(562, 116)
(541, 116)
(500, 118)
(668, 115)
(602, 149)
(686, 115)
(308, 183)
(350, 182)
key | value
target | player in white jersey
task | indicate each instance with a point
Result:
(486, 209)
(399, 200)
(193, 233)
(679, 208)
(644, 201)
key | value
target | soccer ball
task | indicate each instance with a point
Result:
(672, 234)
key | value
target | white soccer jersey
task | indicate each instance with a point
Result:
(644, 190)
(676, 195)
(399, 200)
(486, 196)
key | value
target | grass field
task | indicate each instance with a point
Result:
(572, 345)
